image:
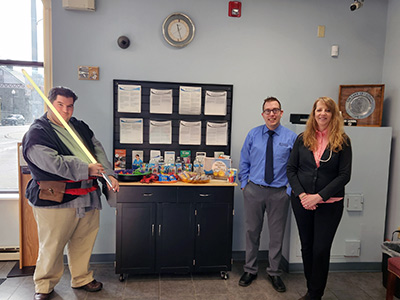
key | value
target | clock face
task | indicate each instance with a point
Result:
(178, 30)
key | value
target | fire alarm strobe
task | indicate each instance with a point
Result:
(235, 9)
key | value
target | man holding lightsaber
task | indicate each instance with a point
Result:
(64, 193)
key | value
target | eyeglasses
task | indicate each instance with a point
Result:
(268, 111)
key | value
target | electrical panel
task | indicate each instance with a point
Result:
(353, 248)
(354, 202)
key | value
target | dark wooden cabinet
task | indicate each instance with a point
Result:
(174, 241)
(175, 228)
(213, 250)
(135, 237)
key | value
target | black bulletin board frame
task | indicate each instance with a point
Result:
(175, 117)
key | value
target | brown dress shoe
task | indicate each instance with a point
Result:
(41, 296)
(93, 286)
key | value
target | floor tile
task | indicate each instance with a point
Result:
(169, 288)
(203, 286)
(142, 289)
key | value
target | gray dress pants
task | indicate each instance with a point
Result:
(257, 201)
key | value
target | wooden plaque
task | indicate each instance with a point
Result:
(363, 103)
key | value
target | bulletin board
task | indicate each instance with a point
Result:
(143, 112)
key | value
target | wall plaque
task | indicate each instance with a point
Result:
(363, 103)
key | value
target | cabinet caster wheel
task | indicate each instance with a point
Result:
(224, 275)
(121, 277)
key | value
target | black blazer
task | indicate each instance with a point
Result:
(328, 180)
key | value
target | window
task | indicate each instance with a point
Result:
(21, 48)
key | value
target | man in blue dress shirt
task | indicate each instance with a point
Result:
(265, 189)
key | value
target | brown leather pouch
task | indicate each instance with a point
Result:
(52, 190)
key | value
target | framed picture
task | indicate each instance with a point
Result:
(363, 103)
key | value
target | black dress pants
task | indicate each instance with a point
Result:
(317, 230)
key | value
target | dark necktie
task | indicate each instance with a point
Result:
(269, 159)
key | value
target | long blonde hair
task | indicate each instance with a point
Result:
(337, 136)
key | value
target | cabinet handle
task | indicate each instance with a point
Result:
(198, 229)
(159, 230)
(152, 229)
(147, 194)
(205, 195)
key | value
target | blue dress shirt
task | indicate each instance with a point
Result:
(252, 156)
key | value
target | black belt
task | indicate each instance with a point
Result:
(84, 184)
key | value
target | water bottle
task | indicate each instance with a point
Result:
(201, 160)
(170, 166)
(161, 165)
(197, 166)
(153, 165)
(178, 165)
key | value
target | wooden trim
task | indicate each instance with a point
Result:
(28, 236)
(214, 182)
(48, 48)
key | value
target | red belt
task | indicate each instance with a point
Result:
(75, 187)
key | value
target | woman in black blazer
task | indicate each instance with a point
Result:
(318, 169)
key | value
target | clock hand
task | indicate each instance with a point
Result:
(179, 31)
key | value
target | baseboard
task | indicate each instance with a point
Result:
(298, 267)
(9, 253)
(98, 258)
(9, 256)
(263, 256)
(343, 267)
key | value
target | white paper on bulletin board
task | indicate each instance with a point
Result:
(215, 103)
(189, 100)
(131, 131)
(129, 98)
(160, 132)
(217, 133)
(189, 133)
(160, 101)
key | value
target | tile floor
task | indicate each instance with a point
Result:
(341, 286)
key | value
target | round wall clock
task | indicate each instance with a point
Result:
(178, 30)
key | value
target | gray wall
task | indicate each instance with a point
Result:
(368, 225)
(391, 75)
(273, 49)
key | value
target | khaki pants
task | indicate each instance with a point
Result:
(58, 228)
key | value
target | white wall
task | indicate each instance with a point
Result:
(9, 222)
(273, 49)
(391, 75)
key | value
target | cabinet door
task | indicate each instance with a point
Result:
(135, 238)
(175, 237)
(213, 250)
